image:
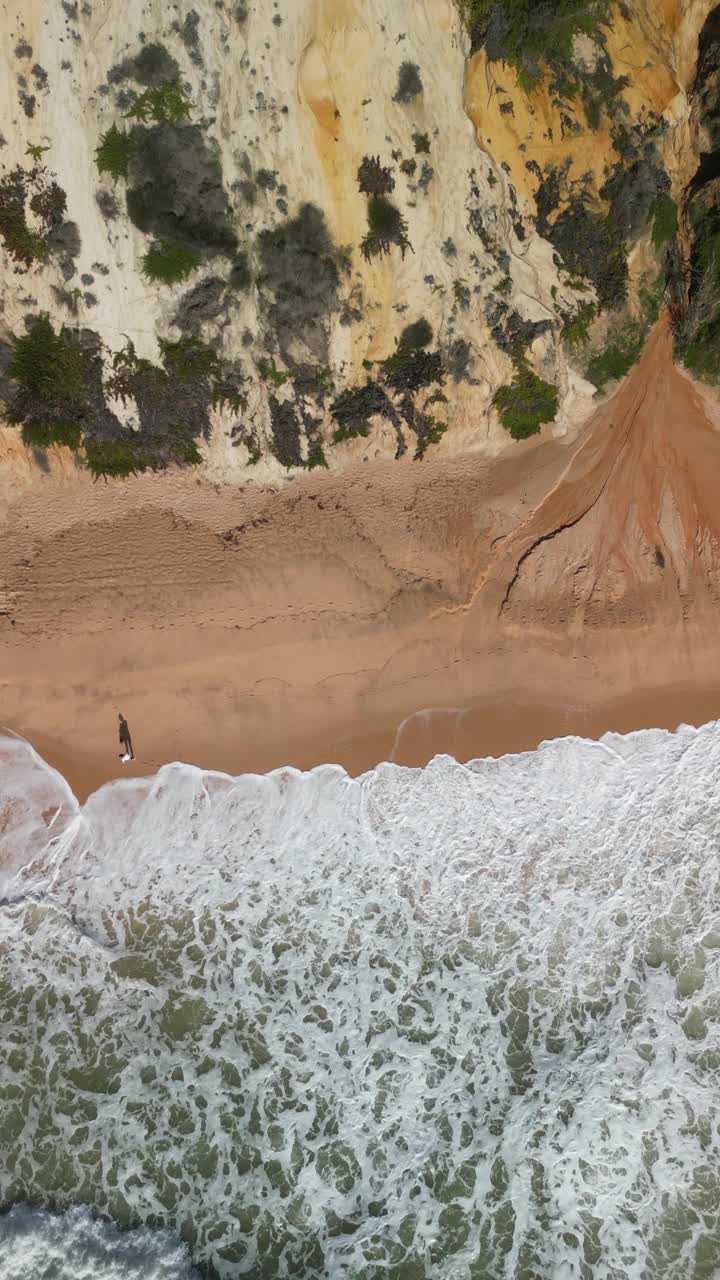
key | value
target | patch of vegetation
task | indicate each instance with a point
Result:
(421, 142)
(509, 330)
(407, 371)
(408, 167)
(169, 263)
(354, 408)
(410, 368)
(189, 359)
(576, 325)
(316, 455)
(252, 444)
(313, 380)
(374, 179)
(593, 245)
(113, 153)
(622, 350)
(461, 293)
(665, 220)
(600, 92)
(226, 394)
(266, 179)
(45, 363)
(590, 246)
(118, 458)
(430, 431)
(706, 100)
(625, 339)
(39, 433)
(50, 400)
(29, 190)
(163, 103)
(62, 400)
(564, 87)
(526, 403)
(697, 333)
(527, 33)
(172, 399)
(409, 83)
(386, 227)
(634, 186)
(271, 373)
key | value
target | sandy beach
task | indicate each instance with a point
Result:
(394, 611)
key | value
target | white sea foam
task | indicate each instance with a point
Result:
(37, 1245)
(459, 1022)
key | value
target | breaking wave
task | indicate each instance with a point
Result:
(458, 1022)
(37, 1245)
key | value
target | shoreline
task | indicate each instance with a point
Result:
(490, 729)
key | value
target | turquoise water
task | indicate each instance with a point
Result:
(452, 1022)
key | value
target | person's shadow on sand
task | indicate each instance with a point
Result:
(127, 752)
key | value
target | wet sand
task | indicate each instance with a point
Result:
(493, 729)
(393, 611)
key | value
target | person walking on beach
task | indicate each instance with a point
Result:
(125, 739)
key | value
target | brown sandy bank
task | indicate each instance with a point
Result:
(562, 589)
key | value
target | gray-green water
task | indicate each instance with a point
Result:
(458, 1023)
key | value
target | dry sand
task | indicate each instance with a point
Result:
(395, 611)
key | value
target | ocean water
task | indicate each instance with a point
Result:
(458, 1023)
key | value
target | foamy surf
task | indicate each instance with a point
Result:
(457, 1022)
(37, 1245)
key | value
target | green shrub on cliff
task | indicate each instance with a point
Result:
(386, 227)
(164, 102)
(118, 458)
(113, 153)
(665, 220)
(526, 403)
(354, 408)
(626, 337)
(316, 456)
(618, 356)
(48, 368)
(374, 178)
(169, 263)
(189, 359)
(576, 325)
(527, 33)
(24, 191)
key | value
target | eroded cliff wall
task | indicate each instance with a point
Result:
(230, 289)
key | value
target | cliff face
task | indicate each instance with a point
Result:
(227, 281)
